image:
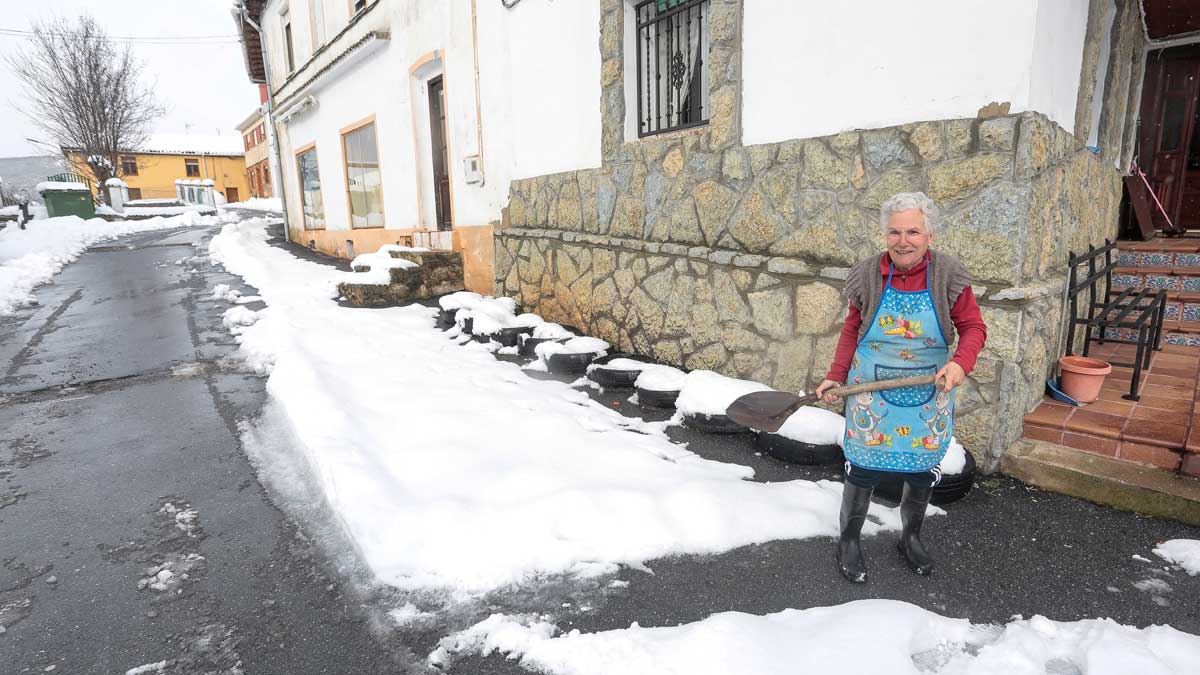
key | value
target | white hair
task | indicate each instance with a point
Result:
(907, 201)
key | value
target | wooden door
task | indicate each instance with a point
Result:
(441, 163)
(1168, 126)
(231, 195)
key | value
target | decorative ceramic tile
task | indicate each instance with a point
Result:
(1189, 284)
(1128, 259)
(1156, 259)
(1174, 310)
(1171, 283)
(1191, 311)
(1186, 339)
(1187, 259)
(1122, 281)
(1120, 334)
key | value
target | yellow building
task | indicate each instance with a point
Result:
(258, 160)
(151, 171)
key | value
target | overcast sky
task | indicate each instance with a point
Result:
(203, 86)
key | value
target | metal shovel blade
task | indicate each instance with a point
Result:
(766, 410)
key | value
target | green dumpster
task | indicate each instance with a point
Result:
(67, 199)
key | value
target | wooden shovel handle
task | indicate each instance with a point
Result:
(881, 385)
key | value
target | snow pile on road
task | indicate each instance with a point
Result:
(455, 470)
(272, 204)
(31, 257)
(708, 393)
(866, 636)
(1182, 552)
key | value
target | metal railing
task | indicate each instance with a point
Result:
(1109, 316)
(672, 65)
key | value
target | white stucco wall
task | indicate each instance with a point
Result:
(815, 69)
(1057, 59)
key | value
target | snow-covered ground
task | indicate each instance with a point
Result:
(274, 204)
(31, 257)
(867, 636)
(454, 470)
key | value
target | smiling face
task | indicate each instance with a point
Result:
(907, 238)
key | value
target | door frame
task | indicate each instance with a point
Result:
(424, 69)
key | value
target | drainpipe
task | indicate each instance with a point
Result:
(272, 139)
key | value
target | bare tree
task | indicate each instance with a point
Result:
(85, 93)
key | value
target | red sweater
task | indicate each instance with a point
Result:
(968, 321)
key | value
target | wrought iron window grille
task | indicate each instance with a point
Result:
(672, 65)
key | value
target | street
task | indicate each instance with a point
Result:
(120, 460)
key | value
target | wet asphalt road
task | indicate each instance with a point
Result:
(132, 527)
(121, 457)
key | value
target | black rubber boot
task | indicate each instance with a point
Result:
(912, 514)
(855, 502)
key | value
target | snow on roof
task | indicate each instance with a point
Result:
(64, 187)
(189, 144)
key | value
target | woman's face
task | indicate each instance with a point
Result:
(907, 238)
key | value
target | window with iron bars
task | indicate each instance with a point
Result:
(672, 65)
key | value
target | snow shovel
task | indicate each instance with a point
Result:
(768, 410)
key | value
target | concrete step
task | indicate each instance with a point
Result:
(1105, 480)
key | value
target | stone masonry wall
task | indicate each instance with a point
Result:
(702, 253)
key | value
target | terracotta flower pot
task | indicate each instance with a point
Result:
(1082, 377)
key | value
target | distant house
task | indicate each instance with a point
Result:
(151, 171)
(258, 161)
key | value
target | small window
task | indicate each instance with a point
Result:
(363, 182)
(129, 166)
(192, 167)
(287, 42)
(247, 141)
(359, 5)
(672, 65)
(266, 179)
(310, 190)
(135, 193)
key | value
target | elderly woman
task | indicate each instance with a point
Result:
(906, 308)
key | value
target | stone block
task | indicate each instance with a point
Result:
(748, 260)
(823, 168)
(956, 179)
(772, 311)
(889, 184)
(883, 148)
(998, 134)
(792, 266)
(818, 306)
(926, 137)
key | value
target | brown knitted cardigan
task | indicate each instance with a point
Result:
(947, 280)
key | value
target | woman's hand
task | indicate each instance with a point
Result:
(824, 386)
(953, 375)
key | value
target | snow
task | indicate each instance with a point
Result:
(705, 392)
(661, 378)
(459, 300)
(381, 263)
(488, 477)
(551, 331)
(815, 426)
(167, 210)
(903, 638)
(621, 364)
(273, 204)
(61, 186)
(116, 182)
(188, 144)
(154, 202)
(106, 210)
(576, 345)
(955, 460)
(1182, 552)
(31, 257)
(10, 210)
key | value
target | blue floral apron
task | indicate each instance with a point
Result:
(907, 429)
